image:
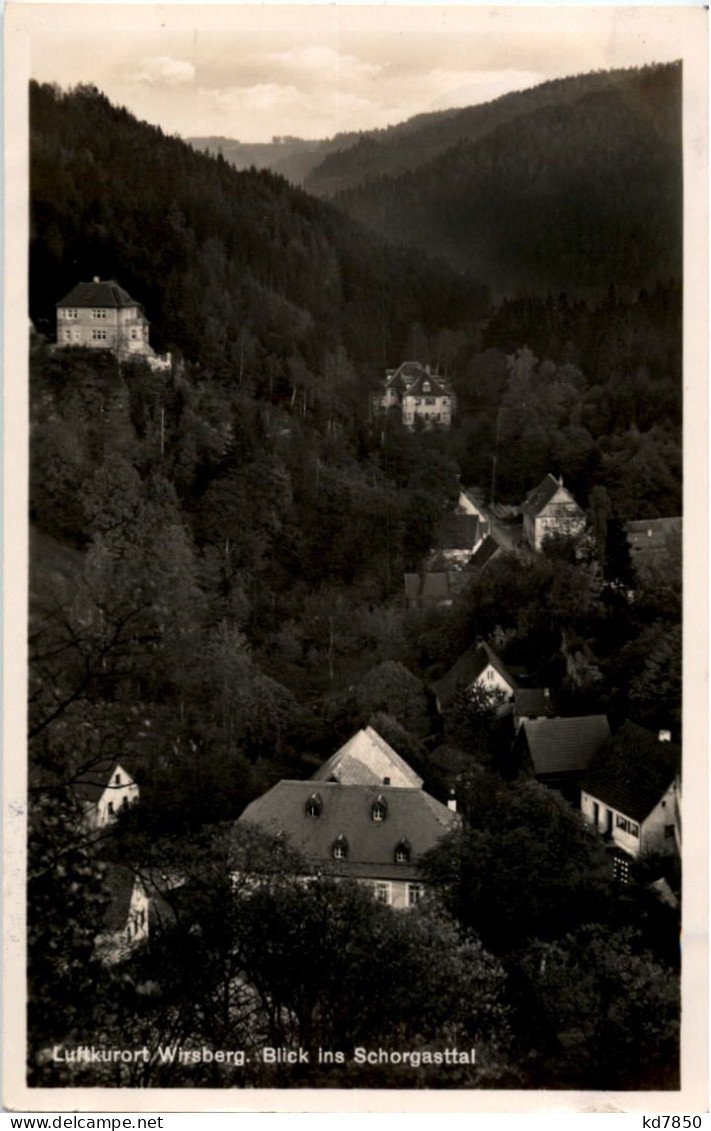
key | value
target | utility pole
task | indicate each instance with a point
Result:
(495, 458)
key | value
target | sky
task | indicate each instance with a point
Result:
(251, 72)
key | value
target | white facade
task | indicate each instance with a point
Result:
(560, 515)
(399, 894)
(658, 834)
(427, 406)
(492, 680)
(120, 792)
(123, 330)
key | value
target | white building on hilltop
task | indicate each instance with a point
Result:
(419, 394)
(103, 316)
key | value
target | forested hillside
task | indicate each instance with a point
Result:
(217, 565)
(570, 186)
(236, 270)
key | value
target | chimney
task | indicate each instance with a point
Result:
(386, 781)
(560, 480)
(665, 736)
(97, 279)
(546, 692)
(452, 801)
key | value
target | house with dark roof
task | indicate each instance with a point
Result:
(550, 509)
(419, 394)
(471, 501)
(104, 789)
(532, 703)
(478, 666)
(367, 759)
(375, 834)
(484, 554)
(434, 588)
(137, 906)
(125, 924)
(631, 794)
(102, 315)
(449, 763)
(558, 751)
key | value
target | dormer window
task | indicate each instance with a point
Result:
(314, 806)
(426, 387)
(340, 848)
(379, 810)
(402, 852)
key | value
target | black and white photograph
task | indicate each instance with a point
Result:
(356, 501)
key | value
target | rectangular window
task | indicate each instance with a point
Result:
(668, 831)
(68, 335)
(380, 890)
(98, 314)
(627, 826)
(414, 894)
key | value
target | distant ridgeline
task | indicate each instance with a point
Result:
(239, 272)
(571, 185)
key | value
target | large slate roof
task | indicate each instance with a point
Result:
(101, 294)
(367, 759)
(563, 745)
(632, 771)
(346, 811)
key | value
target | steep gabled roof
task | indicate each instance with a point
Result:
(540, 496)
(405, 373)
(458, 532)
(346, 811)
(559, 746)
(488, 550)
(90, 783)
(438, 386)
(101, 294)
(533, 702)
(119, 883)
(367, 759)
(633, 771)
(430, 586)
(467, 670)
(451, 760)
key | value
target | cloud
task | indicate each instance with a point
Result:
(316, 60)
(162, 70)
